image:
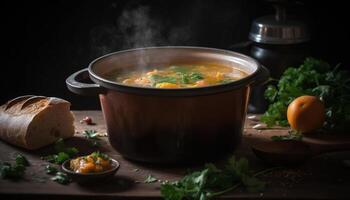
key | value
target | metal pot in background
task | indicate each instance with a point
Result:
(277, 42)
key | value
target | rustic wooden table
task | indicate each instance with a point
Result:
(322, 177)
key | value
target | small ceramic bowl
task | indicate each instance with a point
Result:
(90, 177)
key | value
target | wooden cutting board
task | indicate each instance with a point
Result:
(322, 177)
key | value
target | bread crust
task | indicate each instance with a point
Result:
(17, 118)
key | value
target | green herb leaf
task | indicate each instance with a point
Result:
(212, 182)
(61, 178)
(155, 78)
(71, 151)
(91, 134)
(93, 137)
(50, 158)
(49, 169)
(172, 192)
(184, 79)
(196, 76)
(57, 158)
(16, 170)
(180, 69)
(63, 153)
(61, 157)
(291, 136)
(61, 147)
(187, 78)
(21, 160)
(12, 171)
(98, 154)
(150, 179)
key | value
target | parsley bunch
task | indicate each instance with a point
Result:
(212, 182)
(317, 78)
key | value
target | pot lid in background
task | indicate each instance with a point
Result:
(278, 29)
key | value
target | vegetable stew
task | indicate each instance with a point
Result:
(179, 76)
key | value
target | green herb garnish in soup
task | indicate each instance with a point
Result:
(179, 76)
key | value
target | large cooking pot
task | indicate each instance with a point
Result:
(171, 125)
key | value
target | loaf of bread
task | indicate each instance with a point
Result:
(32, 122)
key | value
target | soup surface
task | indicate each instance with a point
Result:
(179, 76)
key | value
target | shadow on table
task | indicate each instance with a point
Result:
(82, 144)
(116, 184)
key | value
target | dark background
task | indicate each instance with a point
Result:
(44, 42)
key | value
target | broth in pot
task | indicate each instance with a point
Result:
(179, 76)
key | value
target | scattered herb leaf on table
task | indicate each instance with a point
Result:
(93, 137)
(291, 136)
(212, 182)
(150, 179)
(51, 169)
(16, 170)
(61, 178)
(21, 160)
(63, 153)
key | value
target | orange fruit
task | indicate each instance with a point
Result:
(306, 114)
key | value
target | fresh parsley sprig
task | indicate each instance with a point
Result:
(49, 169)
(98, 154)
(212, 181)
(61, 178)
(150, 179)
(93, 137)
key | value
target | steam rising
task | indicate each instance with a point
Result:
(136, 28)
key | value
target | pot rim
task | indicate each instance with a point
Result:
(195, 91)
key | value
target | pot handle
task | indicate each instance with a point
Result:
(262, 77)
(78, 83)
